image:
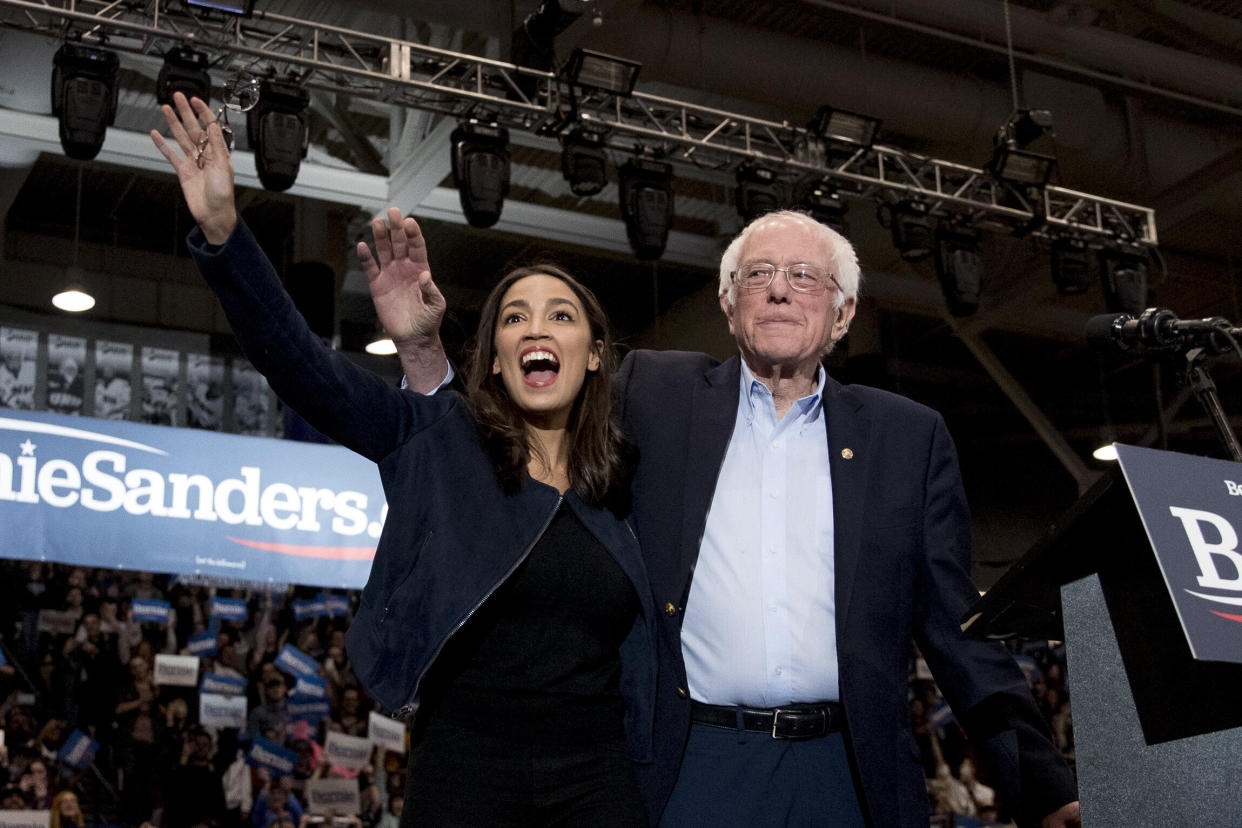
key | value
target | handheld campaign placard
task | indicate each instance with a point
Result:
(176, 670)
(338, 797)
(346, 751)
(25, 819)
(1191, 508)
(386, 733)
(215, 710)
(296, 663)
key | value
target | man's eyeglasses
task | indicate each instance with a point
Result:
(804, 278)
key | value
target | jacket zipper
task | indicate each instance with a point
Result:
(408, 708)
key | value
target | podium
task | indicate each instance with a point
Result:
(1158, 731)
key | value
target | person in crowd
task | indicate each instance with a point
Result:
(799, 533)
(193, 791)
(137, 724)
(350, 718)
(13, 798)
(35, 783)
(275, 803)
(507, 602)
(271, 718)
(66, 811)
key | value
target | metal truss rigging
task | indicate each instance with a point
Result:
(409, 74)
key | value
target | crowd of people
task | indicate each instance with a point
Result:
(157, 764)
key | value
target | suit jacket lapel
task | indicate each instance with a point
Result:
(713, 412)
(848, 460)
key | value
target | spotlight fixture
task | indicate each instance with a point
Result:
(1123, 273)
(481, 169)
(757, 192)
(844, 127)
(1023, 149)
(84, 97)
(278, 132)
(583, 162)
(911, 227)
(1071, 266)
(959, 267)
(823, 201)
(646, 192)
(595, 70)
(184, 71)
(73, 299)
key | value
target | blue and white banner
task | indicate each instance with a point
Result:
(308, 609)
(202, 644)
(148, 609)
(221, 711)
(337, 605)
(312, 686)
(296, 663)
(178, 500)
(346, 751)
(222, 685)
(78, 750)
(386, 733)
(229, 609)
(307, 709)
(267, 754)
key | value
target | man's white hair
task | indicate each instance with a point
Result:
(842, 260)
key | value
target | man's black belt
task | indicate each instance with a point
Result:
(794, 721)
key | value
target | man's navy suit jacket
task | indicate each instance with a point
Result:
(902, 563)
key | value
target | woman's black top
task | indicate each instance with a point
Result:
(538, 661)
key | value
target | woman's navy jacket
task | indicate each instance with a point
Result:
(452, 534)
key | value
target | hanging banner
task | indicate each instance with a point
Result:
(181, 501)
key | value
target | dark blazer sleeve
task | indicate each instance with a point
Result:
(344, 401)
(980, 678)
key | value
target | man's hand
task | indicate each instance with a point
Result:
(1067, 816)
(407, 301)
(204, 167)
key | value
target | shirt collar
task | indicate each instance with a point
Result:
(752, 390)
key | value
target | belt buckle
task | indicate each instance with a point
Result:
(776, 717)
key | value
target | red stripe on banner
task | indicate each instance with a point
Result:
(1237, 618)
(336, 553)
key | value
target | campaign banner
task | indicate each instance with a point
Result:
(346, 751)
(337, 605)
(311, 686)
(202, 644)
(215, 710)
(176, 670)
(296, 663)
(25, 819)
(1191, 508)
(335, 797)
(78, 750)
(264, 753)
(308, 609)
(229, 609)
(222, 685)
(307, 709)
(386, 733)
(186, 501)
(150, 610)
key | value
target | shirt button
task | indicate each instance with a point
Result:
(776, 494)
(669, 609)
(778, 671)
(772, 608)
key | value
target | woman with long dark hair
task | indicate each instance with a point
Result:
(507, 607)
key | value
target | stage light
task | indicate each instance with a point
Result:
(595, 70)
(583, 162)
(1071, 266)
(1023, 149)
(481, 169)
(242, 8)
(184, 71)
(646, 193)
(84, 97)
(959, 267)
(844, 127)
(1123, 274)
(1106, 453)
(757, 192)
(278, 132)
(824, 203)
(911, 227)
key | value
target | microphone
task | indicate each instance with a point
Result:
(1159, 329)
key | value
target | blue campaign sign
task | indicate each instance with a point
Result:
(1191, 508)
(78, 750)
(337, 605)
(222, 685)
(307, 708)
(229, 609)
(267, 754)
(150, 610)
(310, 608)
(296, 663)
(186, 501)
(202, 644)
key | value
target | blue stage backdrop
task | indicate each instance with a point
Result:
(103, 493)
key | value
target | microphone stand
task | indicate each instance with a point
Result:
(1200, 382)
